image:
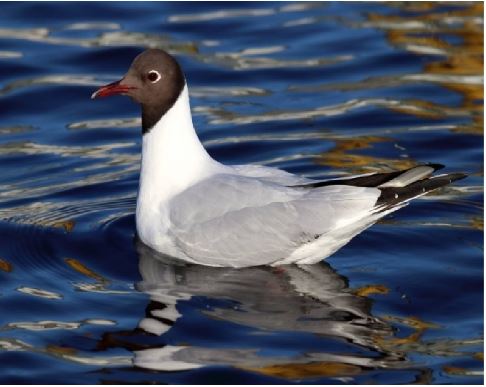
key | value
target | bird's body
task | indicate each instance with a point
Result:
(198, 210)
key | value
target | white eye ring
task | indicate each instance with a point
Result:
(150, 76)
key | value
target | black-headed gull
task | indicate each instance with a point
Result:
(198, 210)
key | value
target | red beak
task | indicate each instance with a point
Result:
(112, 89)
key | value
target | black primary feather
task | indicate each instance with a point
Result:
(391, 196)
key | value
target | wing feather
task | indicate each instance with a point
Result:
(241, 221)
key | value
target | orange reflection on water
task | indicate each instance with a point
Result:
(339, 156)
(460, 65)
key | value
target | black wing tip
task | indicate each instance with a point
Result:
(436, 166)
(392, 196)
(456, 176)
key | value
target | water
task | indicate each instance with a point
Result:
(318, 89)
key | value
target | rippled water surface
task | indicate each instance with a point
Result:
(318, 89)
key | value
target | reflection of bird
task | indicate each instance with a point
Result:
(195, 209)
(310, 299)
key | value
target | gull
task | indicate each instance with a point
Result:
(197, 210)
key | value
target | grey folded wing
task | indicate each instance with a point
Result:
(239, 221)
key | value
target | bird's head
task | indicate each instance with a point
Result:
(154, 80)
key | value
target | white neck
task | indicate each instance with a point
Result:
(173, 158)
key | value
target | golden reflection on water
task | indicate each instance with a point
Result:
(83, 269)
(5, 266)
(309, 370)
(101, 284)
(463, 59)
(459, 67)
(340, 156)
(66, 225)
(367, 290)
(477, 222)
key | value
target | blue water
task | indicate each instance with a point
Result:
(318, 89)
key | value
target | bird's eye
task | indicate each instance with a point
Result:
(153, 76)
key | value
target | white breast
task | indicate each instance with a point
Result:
(173, 159)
